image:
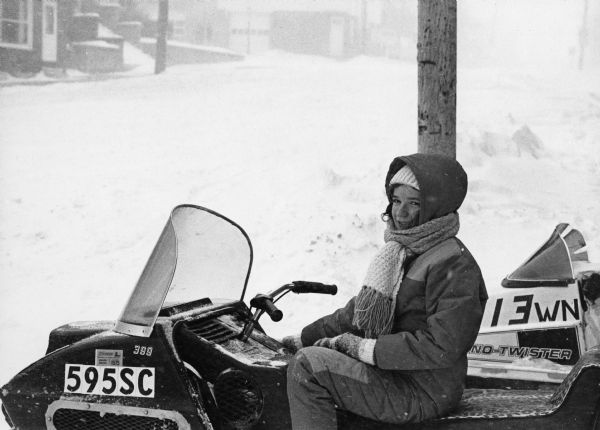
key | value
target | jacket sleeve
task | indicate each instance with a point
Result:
(455, 300)
(331, 325)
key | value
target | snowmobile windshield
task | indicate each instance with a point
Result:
(552, 263)
(199, 254)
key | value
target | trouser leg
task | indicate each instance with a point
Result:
(311, 404)
(321, 380)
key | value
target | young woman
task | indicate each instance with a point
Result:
(397, 352)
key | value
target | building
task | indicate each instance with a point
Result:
(33, 34)
(336, 28)
(60, 34)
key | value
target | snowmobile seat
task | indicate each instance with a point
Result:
(574, 404)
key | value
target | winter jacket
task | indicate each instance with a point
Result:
(440, 301)
(439, 309)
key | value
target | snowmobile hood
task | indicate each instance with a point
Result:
(199, 254)
(442, 182)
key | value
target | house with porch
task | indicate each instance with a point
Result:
(33, 33)
(60, 34)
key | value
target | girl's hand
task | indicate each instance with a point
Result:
(292, 343)
(351, 345)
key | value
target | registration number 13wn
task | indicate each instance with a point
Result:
(109, 380)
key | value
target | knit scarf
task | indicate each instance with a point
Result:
(375, 304)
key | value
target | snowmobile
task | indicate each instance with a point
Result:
(544, 319)
(187, 353)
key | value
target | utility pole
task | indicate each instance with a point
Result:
(436, 57)
(161, 38)
(205, 23)
(249, 26)
(583, 35)
(364, 24)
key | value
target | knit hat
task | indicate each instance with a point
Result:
(442, 183)
(405, 176)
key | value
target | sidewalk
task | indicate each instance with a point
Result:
(136, 64)
(54, 76)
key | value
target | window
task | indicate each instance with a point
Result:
(16, 23)
(179, 30)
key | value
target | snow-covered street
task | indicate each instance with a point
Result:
(292, 148)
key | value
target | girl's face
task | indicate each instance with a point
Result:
(406, 205)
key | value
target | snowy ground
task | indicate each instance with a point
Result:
(295, 150)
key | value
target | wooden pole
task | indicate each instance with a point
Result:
(583, 33)
(436, 57)
(161, 38)
(363, 16)
(249, 26)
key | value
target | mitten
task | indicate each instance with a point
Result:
(351, 345)
(292, 343)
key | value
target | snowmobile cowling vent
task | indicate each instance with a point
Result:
(76, 415)
(212, 330)
(70, 419)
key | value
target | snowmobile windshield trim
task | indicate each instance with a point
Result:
(133, 329)
(531, 283)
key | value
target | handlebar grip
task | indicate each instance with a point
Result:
(272, 310)
(265, 302)
(300, 287)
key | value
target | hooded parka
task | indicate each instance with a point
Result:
(439, 305)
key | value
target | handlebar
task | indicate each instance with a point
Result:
(265, 302)
(300, 287)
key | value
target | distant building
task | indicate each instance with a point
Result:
(59, 34)
(331, 33)
(33, 34)
(191, 21)
(336, 28)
